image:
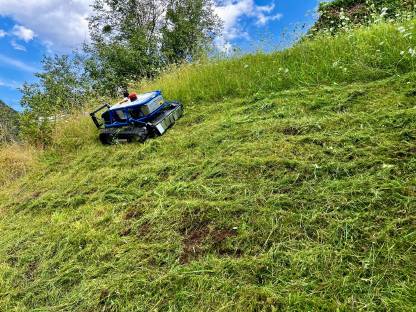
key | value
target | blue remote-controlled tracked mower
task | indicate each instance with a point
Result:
(145, 116)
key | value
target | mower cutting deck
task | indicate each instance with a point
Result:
(148, 115)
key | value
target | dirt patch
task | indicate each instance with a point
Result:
(133, 214)
(192, 244)
(197, 241)
(31, 270)
(143, 230)
(218, 236)
(292, 131)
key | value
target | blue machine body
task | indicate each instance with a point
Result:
(114, 120)
(147, 116)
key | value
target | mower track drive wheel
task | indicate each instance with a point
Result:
(138, 135)
(106, 138)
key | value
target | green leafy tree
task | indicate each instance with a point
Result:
(62, 87)
(189, 29)
(136, 38)
(130, 40)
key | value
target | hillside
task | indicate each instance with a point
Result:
(8, 123)
(288, 185)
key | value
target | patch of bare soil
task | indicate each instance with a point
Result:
(31, 270)
(196, 240)
(292, 131)
(132, 214)
(144, 230)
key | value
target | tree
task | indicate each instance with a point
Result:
(133, 39)
(190, 26)
(62, 87)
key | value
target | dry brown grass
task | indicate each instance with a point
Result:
(73, 132)
(15, 161)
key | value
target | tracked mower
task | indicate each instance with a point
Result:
(135, 120)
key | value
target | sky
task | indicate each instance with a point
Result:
(30, 29)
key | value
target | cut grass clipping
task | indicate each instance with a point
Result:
(298, 200)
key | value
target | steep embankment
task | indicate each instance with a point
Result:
(297, 199)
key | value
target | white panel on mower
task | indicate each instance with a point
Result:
(151, 106)
(150, 101)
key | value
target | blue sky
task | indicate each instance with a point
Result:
(30, 29)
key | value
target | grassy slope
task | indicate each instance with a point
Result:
(363, 55)
(302, 199)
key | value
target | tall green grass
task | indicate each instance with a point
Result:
(362, 55)
(300, 201)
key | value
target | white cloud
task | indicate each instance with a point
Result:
(9, 84)
(17, 46)
(232, 11)
(61, 24)
(17, 64)
(264, 14)
(2, 33)
(23, 33)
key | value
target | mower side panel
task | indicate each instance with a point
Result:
(167, 118)
(111, 136)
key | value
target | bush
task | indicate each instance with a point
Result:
(337, 14)
(35, 130)
(62, 89)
